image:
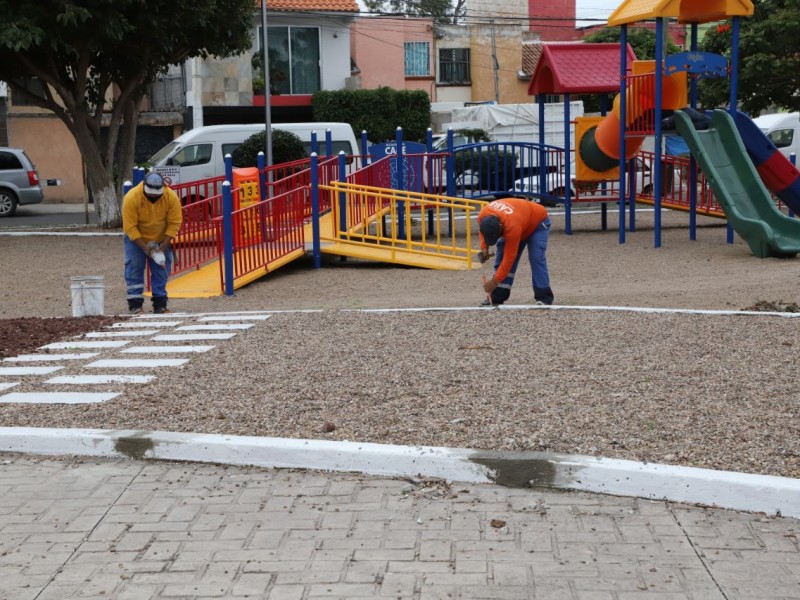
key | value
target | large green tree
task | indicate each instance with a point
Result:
(769, 53)
(97, 59)
(444, 12)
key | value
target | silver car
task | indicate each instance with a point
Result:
(19, 181)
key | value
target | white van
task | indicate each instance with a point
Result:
(200, 152)
(785, 133)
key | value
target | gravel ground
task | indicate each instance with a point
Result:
(715, 391)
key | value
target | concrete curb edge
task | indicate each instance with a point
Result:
(722, 489)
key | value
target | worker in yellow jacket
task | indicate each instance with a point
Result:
(514, 224)
(151, 218)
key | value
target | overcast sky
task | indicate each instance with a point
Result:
(595, 9)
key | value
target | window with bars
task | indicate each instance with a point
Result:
(454, 66)
(417, 59)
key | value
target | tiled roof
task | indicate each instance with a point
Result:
(577, 68)
(349, 6)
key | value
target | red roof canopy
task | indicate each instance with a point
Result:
(578, 69)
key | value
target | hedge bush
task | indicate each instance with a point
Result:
(379, 112)
(286, 147)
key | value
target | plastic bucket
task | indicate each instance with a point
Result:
(87, 295)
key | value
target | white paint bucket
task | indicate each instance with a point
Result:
(87, 295)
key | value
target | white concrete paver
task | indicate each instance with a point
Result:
(57, 397)
(17, 371)
(192, 337)
(220, 327)
(137, 363)
(99, 379)
(116, 334)
(78, 344)
(165, 349)
(50, 357)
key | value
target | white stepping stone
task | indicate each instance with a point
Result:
(137, 363)
(237, 318)
(57, 397)
(192, 337)
(85, 345)
(220, 327)
(116, 334)
(143, 324)
(17, 371)
(10, 384)
(165, 349)
(100, 379)
(50, 357)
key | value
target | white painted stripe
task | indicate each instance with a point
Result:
(688, 311)
(220, 327)
(28, 370)
(50, 357)
(84, 344)
(116, 334)
(141, 324)
(57, 397)
(165, 349)
(188, 337)
(725, 489)
(7, 385)
(237, 318)
(137, 363)
(100, 379)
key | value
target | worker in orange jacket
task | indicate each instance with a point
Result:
(514, 224)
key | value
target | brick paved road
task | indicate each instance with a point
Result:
(92, 529)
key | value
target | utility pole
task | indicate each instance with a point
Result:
(267, 103)
(495, 66)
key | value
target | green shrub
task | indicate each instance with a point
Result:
(286, 147)
(379, 112)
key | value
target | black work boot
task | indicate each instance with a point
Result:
(543, 295)
(160, 305)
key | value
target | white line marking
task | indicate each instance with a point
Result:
(237, 318)
(141, 324)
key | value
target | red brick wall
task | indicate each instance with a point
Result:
(553, 20)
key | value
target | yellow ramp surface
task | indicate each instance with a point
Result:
(397, 256)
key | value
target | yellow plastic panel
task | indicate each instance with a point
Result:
(694, 11)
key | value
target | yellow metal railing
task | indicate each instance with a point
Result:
(402, 223)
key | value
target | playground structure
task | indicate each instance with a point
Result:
(362, 206)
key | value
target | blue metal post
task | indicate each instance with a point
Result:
(658, 173)
(793, 160)
(229, 168)
(314, 146)
(126, 187)
(567, 173)
(401, 183)
(262, 177)
(451, 164)
(692, 180)
(364, 149)
(315, 227)
(227, 236)
(623, 108)
(342, 195)
(734, 65)
(542, 155)
(328, 143)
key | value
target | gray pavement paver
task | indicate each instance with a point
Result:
(126, 529)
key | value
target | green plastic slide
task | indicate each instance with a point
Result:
(748, 205)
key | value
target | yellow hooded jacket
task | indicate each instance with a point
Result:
(151, 221)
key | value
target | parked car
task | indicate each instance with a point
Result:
(19, 181)
(555, 186)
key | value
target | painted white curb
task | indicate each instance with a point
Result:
(723, 489)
